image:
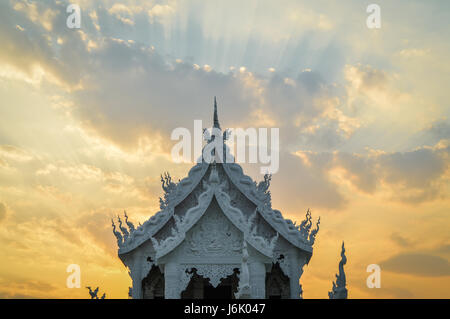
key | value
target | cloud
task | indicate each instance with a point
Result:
(360, 170)
(439, 129)
(415, 169)
(2, 212)
(28, 54)
(412, 53)
(443, 249)
(134, 73)
(158, 88)
(392, 292)
(417, 264)
(15, 153)
(364, 78)
(412, 177)
(14, 287)
(160, 11)
(155, 90)
(122, 13)
(37, 13)
(401, 240)
(12, 295)
(98, 226)
(398, 293)
(299, 186)
(138, 86)
(124, 104)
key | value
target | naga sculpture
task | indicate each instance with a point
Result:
(129, 224)
(117, 234)
(123, 229)
(339, 291)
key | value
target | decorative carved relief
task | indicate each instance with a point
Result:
(259, 195)
(215, 272)
(277, 284)
(213, 236)
(153, 284)
(300, 235)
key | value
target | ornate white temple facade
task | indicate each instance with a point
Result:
(216, 236)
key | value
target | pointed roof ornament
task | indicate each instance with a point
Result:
(216, 118)
(339, 291)
(214, 176)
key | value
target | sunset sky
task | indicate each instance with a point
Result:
(364, 117)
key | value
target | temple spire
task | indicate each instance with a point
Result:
(216, 118)
(339, 291)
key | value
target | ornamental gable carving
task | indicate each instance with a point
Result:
(213, 235)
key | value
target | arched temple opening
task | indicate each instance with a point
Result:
(153, 284)
(200, 287)
(277, 284)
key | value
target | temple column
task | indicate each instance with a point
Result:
(257, 280)
(135, 272)
(294, 286)
(295, 274)
(136, 291)
(171, 281)
(296, 264)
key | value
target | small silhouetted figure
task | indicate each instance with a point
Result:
(93, 293)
